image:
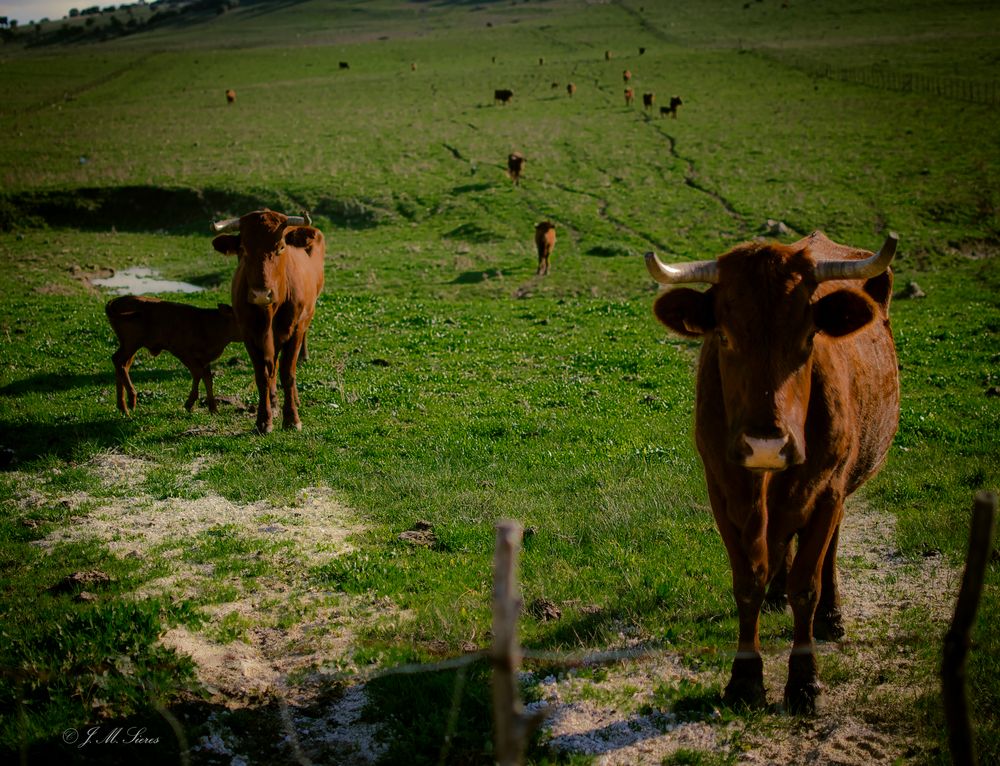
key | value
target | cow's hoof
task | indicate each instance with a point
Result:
(294, 425)
(828, 626)
(746, 685)
(745, 692)
(264, 428)
(800, 698)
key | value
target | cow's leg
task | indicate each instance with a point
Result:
(209, 392)
(828, 624)
(775, 600)
(289, 357)
(195, 380)
(122, 359)
(746, 682)
(804, 583)
(263, 373)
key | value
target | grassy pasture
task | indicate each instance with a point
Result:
(446, 382)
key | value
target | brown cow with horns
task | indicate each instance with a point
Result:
(274, 291)
(797, 403)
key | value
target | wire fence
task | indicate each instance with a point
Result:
(514, 722)
(986, 92)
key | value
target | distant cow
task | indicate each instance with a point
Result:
(629, 96)
(231, 96)
(672, 109)
(515, 165)
(607, 55)
(571, 89)
(626, 75)
(344, 65)
(545, 240)
(196, 336)
(277, 280)
(647, 100)
(796, 405)
(503, 95)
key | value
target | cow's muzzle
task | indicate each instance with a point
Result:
(261, 297)
(773, 451)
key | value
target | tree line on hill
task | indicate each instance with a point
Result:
(96, 24)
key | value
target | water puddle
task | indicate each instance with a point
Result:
(140, 280)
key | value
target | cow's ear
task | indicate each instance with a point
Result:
(686, 311)
(300, 236)
(842, 312)
(227, 244)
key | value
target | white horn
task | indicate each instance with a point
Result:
(866, 268)
(228, 225)
(677, 273)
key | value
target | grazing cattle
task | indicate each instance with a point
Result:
(196, 336)
(607, 55)
(344, 65)
(274, 289)
(797, 402)
(231, 96)
(629, 96)
(647, 100)
(626, 75)
(672, 108)
(642, 51)
(545, 240)
(571, 89)
(503, 95)
(515, 165)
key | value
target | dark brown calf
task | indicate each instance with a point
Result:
(647, 100)
(571, 88)
(515, 166)
(503, 95)
(196, 336)
(545, 240)
(672, 109)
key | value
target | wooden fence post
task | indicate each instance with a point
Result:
(511, 727)
(956, 641)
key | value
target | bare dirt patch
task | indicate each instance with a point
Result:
(616, 721)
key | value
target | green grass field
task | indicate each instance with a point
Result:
(446, 382)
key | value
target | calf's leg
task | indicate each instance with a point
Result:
(122, 359)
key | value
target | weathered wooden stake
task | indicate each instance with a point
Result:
(511, 727)
(956, 640)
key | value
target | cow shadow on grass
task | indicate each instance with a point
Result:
(47, 383)
(30, 441)
(476, 276)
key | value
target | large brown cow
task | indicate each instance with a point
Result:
(196, 336)
(274, 289)
(797, 403)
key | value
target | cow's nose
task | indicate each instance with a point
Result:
(260, 297)
(763, 451)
